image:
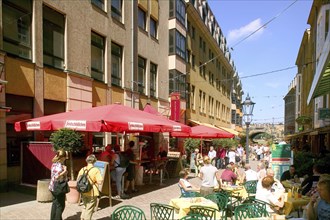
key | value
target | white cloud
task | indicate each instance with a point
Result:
(236, 34)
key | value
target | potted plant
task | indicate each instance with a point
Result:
(70, 141)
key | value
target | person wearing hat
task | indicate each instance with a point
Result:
(89, 199)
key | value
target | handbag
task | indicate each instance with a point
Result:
(61, 187)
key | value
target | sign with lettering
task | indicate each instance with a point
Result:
(175, 106)
(135, 126)
(105, 187)
(33, 125)
(75, 124)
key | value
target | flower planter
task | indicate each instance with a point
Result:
(73, 196)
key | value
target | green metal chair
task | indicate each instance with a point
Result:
(193, 217)
(251, 188)
(128, 212)
(259, 204)
(249, 210)
(221, 199)
(188, 194)
(208, 212)
(160, 211)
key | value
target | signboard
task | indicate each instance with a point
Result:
(175, 107)
(281, 151)
(324, 113)
(105, 187)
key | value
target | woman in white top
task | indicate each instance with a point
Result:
(265, 194)
(184, 184)
(231, 155)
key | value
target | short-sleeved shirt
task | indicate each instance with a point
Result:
(209, 174)
(56, 169)
(268, 197)
(94, 176)
(251, 175)
(323, 210)
(228, 176)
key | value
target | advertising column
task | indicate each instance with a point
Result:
(282, 158)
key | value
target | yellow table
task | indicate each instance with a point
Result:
(237, 191)
(288, 184)
(183, 205)
(294, 204)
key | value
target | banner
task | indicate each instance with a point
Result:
(175, 106)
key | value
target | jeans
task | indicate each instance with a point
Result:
(58, 206)
(117, 175)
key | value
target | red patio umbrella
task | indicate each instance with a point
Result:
(202, 131)
(108, 118)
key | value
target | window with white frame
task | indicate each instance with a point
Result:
(153, 28)
(53, 38)
(142, 19)
(97, 56)
(98, 3)
(141, 74)
(116, 64)
(116, 9)
(153, 79)
(16, 26)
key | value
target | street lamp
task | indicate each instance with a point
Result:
(247, 118)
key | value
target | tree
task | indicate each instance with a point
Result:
(68, 140)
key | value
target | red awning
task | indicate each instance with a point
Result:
(108, 118)
(201, 131)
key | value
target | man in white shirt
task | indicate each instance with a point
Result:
(212, 153)
(250, 174)
(277, 187)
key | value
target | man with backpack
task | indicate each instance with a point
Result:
(120, 165)
(89, 189)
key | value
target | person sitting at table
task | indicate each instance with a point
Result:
(277, 187)
(273, 202)
(184, 184)
(311, 181)
(261, 170)
(289, 174)
(209, 175)
(228, 177)
(250, 174)
(319, 206)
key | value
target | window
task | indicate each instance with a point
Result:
(116, 8)
(141, 74)
(192, 32)
(153, 79)
(193, 61)
(98, 3)
(116, 59)
(153, 28)
(97, 57)
(193, 97)
(188, 56)
(177, 82)
(180, 10)
(53, 38)
(142, 19)
(179, 41)
(16, 20)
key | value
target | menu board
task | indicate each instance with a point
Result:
(105, 187)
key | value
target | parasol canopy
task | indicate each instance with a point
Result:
(107, 118)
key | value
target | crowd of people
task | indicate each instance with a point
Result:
(221, 167)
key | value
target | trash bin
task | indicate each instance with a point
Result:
(43, 193)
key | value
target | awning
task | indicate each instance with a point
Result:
(232, 131)
(321, 81)
(229, 130)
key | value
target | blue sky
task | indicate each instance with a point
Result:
(272, 48)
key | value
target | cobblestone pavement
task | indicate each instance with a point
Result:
(16, 205)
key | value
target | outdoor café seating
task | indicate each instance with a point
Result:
(251, 187)
(221, 199)
(160, 211)
(128, 212)
(193, 217)
(249, 210)
(208, 212)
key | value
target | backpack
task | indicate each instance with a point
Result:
(83, 182)
(123, 160)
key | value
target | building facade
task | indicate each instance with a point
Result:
(59, 56)
(312, 113)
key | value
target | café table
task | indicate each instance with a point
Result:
(236, 191)
(289, 184)
(183, 205)
(158, 165)
(295, 203)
